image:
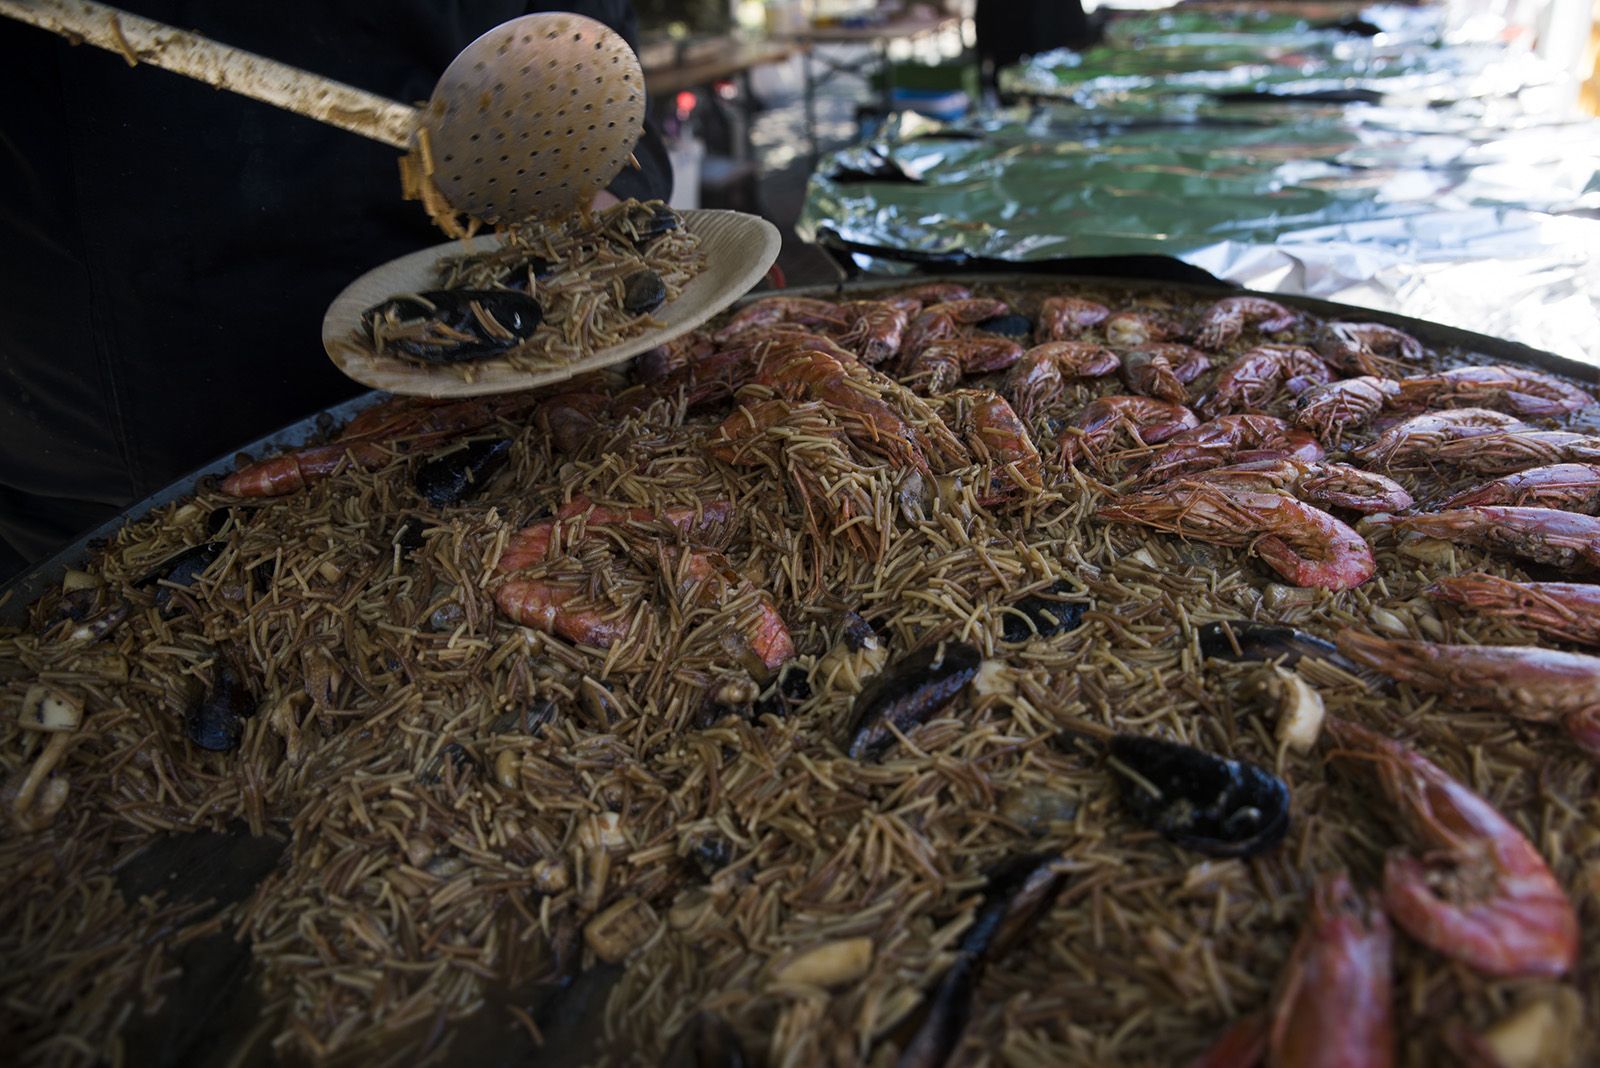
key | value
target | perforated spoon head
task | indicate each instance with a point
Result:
(535, 117)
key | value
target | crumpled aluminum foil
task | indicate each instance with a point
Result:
(1470, 214)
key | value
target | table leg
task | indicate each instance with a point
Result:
(809, 90)
(886, 75)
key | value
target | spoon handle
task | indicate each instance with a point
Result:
(141, 40)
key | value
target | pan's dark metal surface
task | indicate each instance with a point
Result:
(24, 589)
(226, 867)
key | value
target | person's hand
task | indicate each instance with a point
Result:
(603, 199)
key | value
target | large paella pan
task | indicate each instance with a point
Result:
(990, 671)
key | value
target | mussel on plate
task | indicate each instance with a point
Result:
(446, 326)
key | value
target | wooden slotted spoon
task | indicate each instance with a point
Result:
(530, 120)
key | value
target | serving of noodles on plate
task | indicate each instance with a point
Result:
(548, 294)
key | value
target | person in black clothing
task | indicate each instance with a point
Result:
(170, 249)
(1007, 30)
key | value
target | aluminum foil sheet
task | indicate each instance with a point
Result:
(1457, 189)
(1390, 53)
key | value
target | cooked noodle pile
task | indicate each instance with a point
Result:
(475, 809)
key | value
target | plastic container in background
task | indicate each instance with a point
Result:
(687, 154)
(932, 103)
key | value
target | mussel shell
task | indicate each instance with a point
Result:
(1048, 615)
(650, 223)
(263, 574)
(792, 688)
(408, 535)
(180, 569)
(1267, 641)
(643, 291)
(458, 310)
(1012, 325)
(217, 521)
(711, 853)
(530, 719)
(858, 633)
(1018, 893)
(706, 1041)
(908, 692)
(216, 722)
(455, 755)
(1215, 806)
(452, 478)
(516, 277)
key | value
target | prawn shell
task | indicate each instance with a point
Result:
(907, 693)
(1215, 806)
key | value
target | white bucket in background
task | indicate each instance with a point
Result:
(777, 84)
(686, 155)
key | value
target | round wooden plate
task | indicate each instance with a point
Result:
(737, 248)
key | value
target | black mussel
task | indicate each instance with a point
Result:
(180, 569)
(711, 853)
(216, 722)
(532, 269)
(76, 605)
(650, 222)
(1240, 639)
(858, 634)
(529, 719)
(452, 478)
(943, 1016)
(102, 623)
(1042, 615)
(1018, 893)
(262, 574)
(453, 757)
(1016, 326)
(408, 535)
(217, 521)
(643, 291)
(908, 692)
(1220, 807)
(452, 325)
(793, 688)
(706, 1041)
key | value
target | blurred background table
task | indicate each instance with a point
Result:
(822, 64)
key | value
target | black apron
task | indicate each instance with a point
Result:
(1007, 30)
(167, 250)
